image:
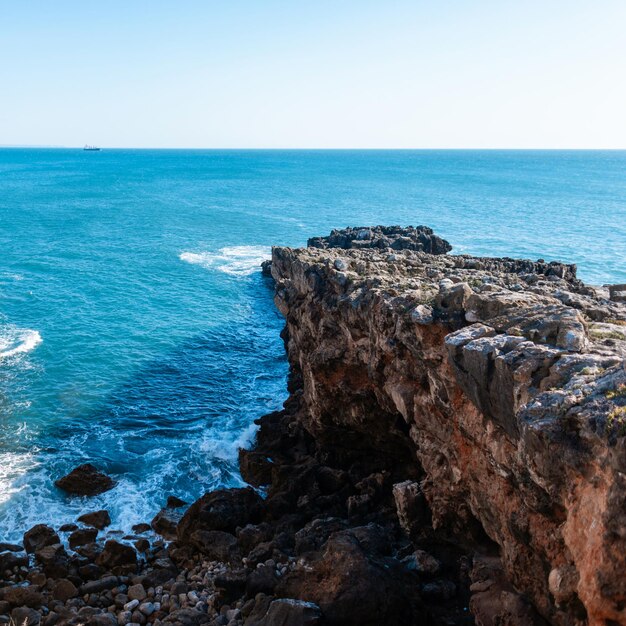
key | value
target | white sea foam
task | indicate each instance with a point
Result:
(233, 260)
(223, 446)
(15, 341)
(13, 465)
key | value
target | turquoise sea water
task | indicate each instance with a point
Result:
(137, 333)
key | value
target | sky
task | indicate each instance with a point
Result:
(315, 74)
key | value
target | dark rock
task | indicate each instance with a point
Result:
(165, 522)
(411, 506)
(289, 612)
(422, 563)
(96, 586)
(142, 545)
(116, 554)
(262, 580)
(51, 619)
(316, 533)
(102, 619)
(187, 617)
(54, 561)
(232, 583)
(64, 589)
(251, 535)
(439, 590)
(9, 560)
(97, 519)
(85, 480)
(255, 467)
(420, 238)
(90, 571)
(90, 551)
(25, 616)
(141, 528)
(22, 596)
(39, 537)
(175, 503)
(617, 293)
(10, 547)
(215, 544)
(82, 536)
(350, 587)
(68, 528)
(224, 510)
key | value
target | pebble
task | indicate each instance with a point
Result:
(124, 617)
(136, 592)
(133, 604)
(147, 608)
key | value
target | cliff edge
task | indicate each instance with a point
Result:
(503, 379)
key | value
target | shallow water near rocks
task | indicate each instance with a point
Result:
(137, 333)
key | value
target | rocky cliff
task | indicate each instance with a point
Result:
(502, 380)
(453, 452)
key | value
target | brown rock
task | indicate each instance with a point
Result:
(39, 537)
(116, 554)
(85, 480)
(63, 590)
(166, 521)
(215, 544)
(224, 510)
(24, 615)
(350, 587)
(502, 404)
(82, 536)
(289, 612)
(9, 560)
(97, 519)
(22, 596)
(54, 561)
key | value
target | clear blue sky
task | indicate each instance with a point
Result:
(341, 73)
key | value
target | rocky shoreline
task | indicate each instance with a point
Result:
(453, 451)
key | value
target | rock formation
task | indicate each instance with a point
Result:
(503, 379)
(452, 452)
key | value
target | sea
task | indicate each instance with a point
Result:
(138, 334)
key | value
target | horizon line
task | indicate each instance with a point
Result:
(309, 149)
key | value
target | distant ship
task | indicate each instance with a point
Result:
(91, 148)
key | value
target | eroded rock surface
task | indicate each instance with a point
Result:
(505, 381)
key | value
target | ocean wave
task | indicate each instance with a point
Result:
(13, 465)
(15, 341)
(233, 260)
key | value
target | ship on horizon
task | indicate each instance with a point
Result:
(91, 148)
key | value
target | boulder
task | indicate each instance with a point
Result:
(38, 537)
(25, 616)
(82, 536)
(22, 596)
(9, 560)
(54, 560)
(350, 587)
(97, 519)
(166, 521)
(289, 612)
(85, 480)
(224, 510)
(116, 554)
(64, 589)
(215, 545)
